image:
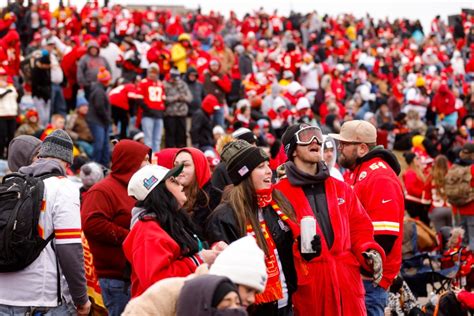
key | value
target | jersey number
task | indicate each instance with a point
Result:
(155, 94)
(377, 165)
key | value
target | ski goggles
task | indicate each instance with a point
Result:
(308, 134)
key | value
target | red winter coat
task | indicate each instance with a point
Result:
(106, 210)
(332, 284)
(154, 256)
(381, 194)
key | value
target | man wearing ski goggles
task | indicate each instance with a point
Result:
(307, 134)
(304, 140)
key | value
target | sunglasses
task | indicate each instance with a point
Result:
(308, 134)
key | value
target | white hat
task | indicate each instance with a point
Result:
(147, 178)
(243, 262)
(303, 103)
(278, 102)
(241, 103)
(294, 87)
(218, 130)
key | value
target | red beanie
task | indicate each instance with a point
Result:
(210, 103)
(103, 75)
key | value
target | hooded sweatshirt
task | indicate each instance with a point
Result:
(89, 66)
(203, 205)
(334, 172)
(197, 90)
(21, 151)
(444, 100)
(106, 210)
(197, 295)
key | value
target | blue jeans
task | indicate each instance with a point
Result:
(467, 223)
(153, 129)
(116, 294)
(101, 143)
(85, 147)
(218, 117)
(58, 103)
(65, 309)
(376, 299)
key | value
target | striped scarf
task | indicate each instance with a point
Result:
(273, 290)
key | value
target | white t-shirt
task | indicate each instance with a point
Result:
(36, 285)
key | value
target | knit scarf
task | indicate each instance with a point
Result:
(273, 290)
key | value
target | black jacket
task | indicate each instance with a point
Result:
(220, 178)
(197, 90)
(201, 130)
(222, 225)
(99, 106)
(204, 206)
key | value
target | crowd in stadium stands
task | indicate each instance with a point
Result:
(252, 121)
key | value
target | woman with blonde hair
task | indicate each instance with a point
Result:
(434, 193)
(252, 207)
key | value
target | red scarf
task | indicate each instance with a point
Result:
(273, 290)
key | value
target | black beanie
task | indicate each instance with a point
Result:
(289, 140)
(241, 158)
(221, 291)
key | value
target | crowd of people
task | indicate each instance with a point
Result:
(181, 153)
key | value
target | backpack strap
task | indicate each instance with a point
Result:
(58, 272)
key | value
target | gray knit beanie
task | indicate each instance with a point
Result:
(58, 145)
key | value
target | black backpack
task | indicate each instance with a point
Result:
(21, 199)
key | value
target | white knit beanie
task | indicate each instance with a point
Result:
(244, 263)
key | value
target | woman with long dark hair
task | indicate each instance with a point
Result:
(414, 182)
(202, 196)
(252, 207)
(162, 242)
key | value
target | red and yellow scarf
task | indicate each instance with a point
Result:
(273, 290)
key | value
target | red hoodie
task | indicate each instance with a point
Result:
(444, 100)
(106, 210)
(201, 166)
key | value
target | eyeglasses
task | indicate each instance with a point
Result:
(308, 134)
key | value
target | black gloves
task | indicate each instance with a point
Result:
(315, 244)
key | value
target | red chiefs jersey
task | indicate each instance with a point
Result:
(380, 192)
(119, 95)
(291, 61)
(152, 93)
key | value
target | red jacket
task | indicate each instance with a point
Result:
(331, 284)
(106, 210)
(380, 192)
(154, 256)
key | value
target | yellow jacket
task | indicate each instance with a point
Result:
(178, 56)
